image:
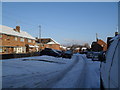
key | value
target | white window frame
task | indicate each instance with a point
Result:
(8, 37)
(29, 40)
(1, 50)
(33, 41)
(16, 38)
(22, 39)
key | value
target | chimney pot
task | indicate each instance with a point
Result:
(18, 28)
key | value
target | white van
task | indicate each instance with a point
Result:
(110, 68)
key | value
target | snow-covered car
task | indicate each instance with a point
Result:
(109, 67)
(50, 52)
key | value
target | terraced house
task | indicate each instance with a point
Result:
(16, 41)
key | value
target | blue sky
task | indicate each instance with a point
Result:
(66, 22)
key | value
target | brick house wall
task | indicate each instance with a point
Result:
(15, 44)
(103, 44)
(53, 46)
(11, 42)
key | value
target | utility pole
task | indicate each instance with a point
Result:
(117, 29)
(96, 37)
(40, 36)
(39, 31)
(117, 32)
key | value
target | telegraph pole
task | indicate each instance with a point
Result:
(96, 37)
(117, 32)
(117, 29)
(39, 31)
(40, 36)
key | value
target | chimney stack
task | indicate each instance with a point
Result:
(18, 28)
(116, 33)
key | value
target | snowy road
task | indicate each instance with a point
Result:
(51, 72)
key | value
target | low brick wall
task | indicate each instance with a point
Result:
(19, 55)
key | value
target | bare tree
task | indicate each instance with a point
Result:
(87, 45)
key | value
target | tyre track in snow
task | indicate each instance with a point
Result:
(72, 78)
(88, 74)
(82, 78)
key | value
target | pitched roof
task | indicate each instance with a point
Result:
(50, 42)
(55, 41)
(9, 31)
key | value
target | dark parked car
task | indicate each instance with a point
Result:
(95, 56)
(83, 52)
(89, 54)
(67, 54)
(60, 52)
(50, 52)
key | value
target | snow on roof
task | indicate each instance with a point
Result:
(52, 42)
(84, 48)
(9, 31)
(55, 41)
(77, 48)
(63, 47)
(32, 46)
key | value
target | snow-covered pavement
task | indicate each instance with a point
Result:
(50, 72)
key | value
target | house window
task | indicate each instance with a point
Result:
(16, 38)
(50, 44)
(0, 50)
(22, 39)
(0, 36)
(8, 37)
(41, 40)
(29, 40)
(33, 41)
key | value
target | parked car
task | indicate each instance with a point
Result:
(50, 52)
(60, 52)
(67, 54)
(83, 52)
(95, 56)
(89, 54)
(102, 56)
(109, 67)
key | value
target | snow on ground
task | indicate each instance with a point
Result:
(85, 74)
(30, 65)
(51, 72)
(91, 74)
